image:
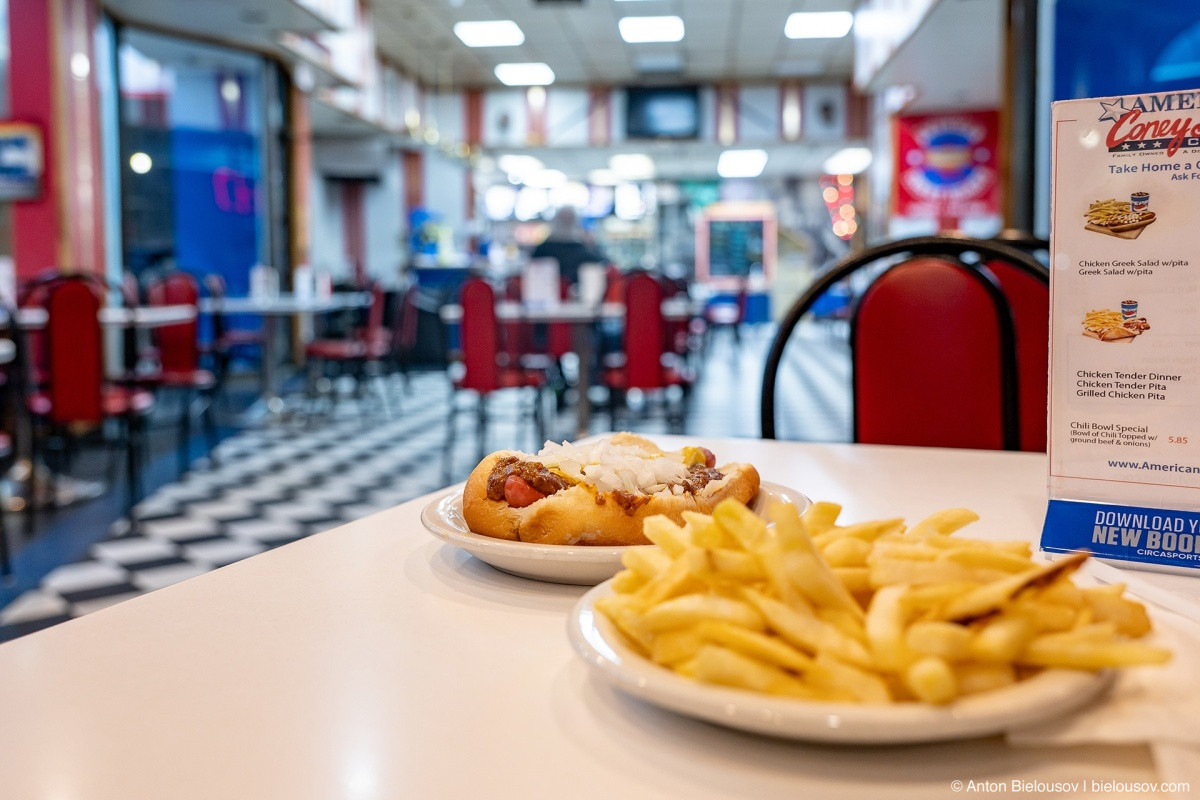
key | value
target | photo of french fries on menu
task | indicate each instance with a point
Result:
(1110, 326)
(1125, 219)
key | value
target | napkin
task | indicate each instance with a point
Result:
(1155, 705)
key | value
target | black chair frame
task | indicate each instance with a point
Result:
(968, 253)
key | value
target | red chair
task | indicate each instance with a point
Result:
(726, 313)
(228, 343)
(12, 392)
(179, 361)
(76, 399)
(405, 321)
(645, 363)
(930, 328)
(355, 355)
(1029, 297)
(485, 367)
(933, 353)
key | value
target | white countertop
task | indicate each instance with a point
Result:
(373, 661)
(141, 317)
(569, 311)
(285, 304)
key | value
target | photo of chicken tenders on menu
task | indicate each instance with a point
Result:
(1124, 219)
(1111, 326)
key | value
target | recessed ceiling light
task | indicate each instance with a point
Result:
(603, 177)
(632, 166)
(636, 30)
(545, 178)
(848, 161)
(818, 25)
(518, 165)
(741, 163)
(534, 73)
(489, 33)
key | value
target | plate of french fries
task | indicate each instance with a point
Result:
(867, 633)
(583, 565)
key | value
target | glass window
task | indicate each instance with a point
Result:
(201, 168)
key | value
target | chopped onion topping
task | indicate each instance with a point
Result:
(610, 467)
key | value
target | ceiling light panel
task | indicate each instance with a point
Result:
(848, 161)
(637, 30)
(818, 25)
(489, 33)
(741, 163)
(534, 73)
(632, 166)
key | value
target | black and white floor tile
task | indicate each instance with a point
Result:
(273, 485)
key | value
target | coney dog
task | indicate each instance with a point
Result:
(597, 493)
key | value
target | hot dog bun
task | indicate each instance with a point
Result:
(582, 514)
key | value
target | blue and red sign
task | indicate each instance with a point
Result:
(946, 165)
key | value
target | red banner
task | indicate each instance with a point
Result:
(946, 165)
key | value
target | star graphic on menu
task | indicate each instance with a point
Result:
(1125, 146)
(1114, 110)
(1141, 145)
(1158, 142)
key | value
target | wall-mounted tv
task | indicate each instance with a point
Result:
(662, 112)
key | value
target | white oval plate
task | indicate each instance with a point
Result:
(556, 563)
(1052, 693)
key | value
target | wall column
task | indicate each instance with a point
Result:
(52, 84)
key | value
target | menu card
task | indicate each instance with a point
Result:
(1125, 333)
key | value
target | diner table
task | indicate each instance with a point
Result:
(375, 661)
(582, 318)
(271, 308)
(32, 483)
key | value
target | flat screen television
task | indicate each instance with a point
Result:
(662, 112)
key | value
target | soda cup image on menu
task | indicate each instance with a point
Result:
(1129, 309)
(1139, 201)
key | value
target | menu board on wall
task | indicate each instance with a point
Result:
(1125, 335)
(735, 247)
(736, 241)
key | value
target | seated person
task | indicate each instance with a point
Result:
(566, 244)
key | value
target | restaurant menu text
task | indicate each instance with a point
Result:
(1125, 340)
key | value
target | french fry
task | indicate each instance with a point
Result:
(720, 665)
(973, 677)
(943, 522)
(755, 645)
(868, 612)
(942, 639)
(1064, 651)
(649, 562)
(806, 632)
(847, 551)
(829, 673)
(821, 517)
(692, 609)
(886, 620)
(931, 679)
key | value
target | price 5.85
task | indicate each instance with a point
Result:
(1177, 440)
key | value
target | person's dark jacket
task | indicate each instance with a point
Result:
(569, 254)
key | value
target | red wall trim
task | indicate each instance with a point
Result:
(599, 116)
(354, 227)
(727, 113)
(473, 116)
(414, 179)
(536, 100)
(791, 106)
(857, 114)
(31, 86)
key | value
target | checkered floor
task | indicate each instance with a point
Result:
(273, 485)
